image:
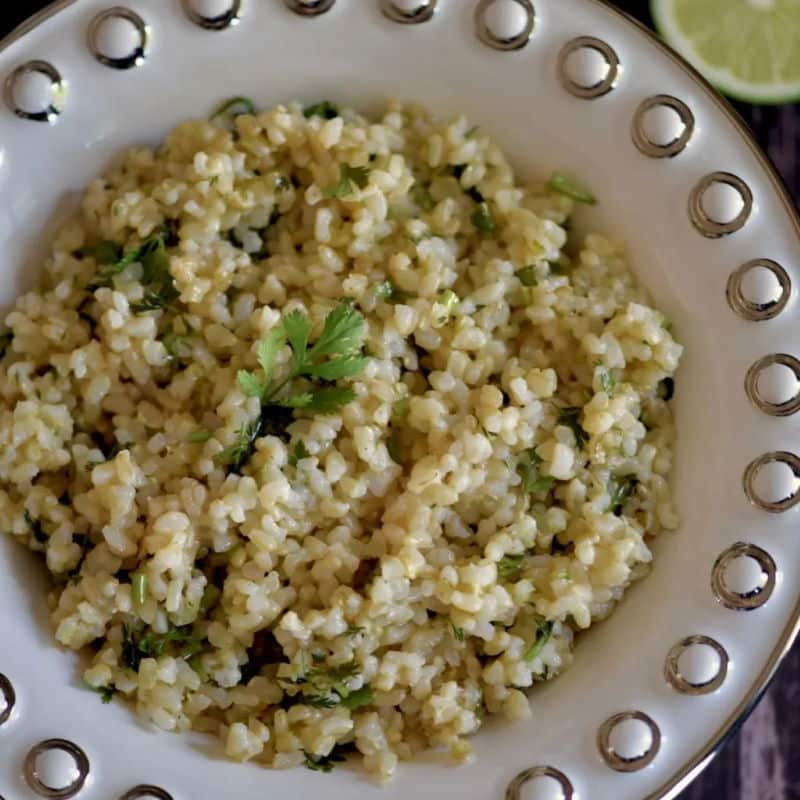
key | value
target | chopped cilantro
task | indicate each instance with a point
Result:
(570, 417)
(358, 698)
(544, 631)
(620, 490)
(106, 692)
(282, 183)
(235, 107)
(422, 198)
(199, 436)
(527, 276)
(324, 109)
(482, 218)
(138, 644)
(607, 381)
(300, 452)
(354, 630)
(458, 633)
(326, 763)
(449, 300)
(509, 567)
(528, 470)
(561, 184)
(350, 178)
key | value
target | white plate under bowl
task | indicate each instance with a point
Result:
(355, 54)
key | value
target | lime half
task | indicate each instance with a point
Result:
(750, 49)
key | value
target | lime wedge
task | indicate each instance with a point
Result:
(750, 49)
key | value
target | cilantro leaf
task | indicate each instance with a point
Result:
(528, 470)
(527, 276)
(249, 383)
(268, 350)
(607, 381)
(570, 417)
(298, 328)
(358, 698)
(350, 178)
(509, 567)
(338, 368)
(544, 631)
(330, 399)
(458, 633)
(323, 763)
(301, 400)
(324, 109)
(482, 218)
(106, 692)
(104, 252)
(620, 490)
(199, 436)
(300, 452)
(561, 184)
(234, 107)
(342, 333)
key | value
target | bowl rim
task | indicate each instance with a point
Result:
(689, 771)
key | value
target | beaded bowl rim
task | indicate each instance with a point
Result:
(791, 630)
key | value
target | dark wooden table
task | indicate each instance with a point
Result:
(760, 762)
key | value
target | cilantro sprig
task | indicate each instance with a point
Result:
(335, 355)
(324, 109)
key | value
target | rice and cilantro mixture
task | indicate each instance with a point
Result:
(330, 434)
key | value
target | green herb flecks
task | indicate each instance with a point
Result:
(422, 198)
(324, 109)
(334, 356)
(562, 184)
(282, 183)
(389, 293)
(458, 633)
(544, 631)
(527, 276)
(138, 644)
(354, 630)
(299, 453)
(570, 417)
(234, 107)
(528, 470)
(607, 381)
(199, 436)
(350, 179)
(156, 276)
(327, 763)
(449, 300)
(106, 692)
(620, 490)
(482, 218)
(326, 687)
(509, 567)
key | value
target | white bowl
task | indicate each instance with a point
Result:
(608, 113)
